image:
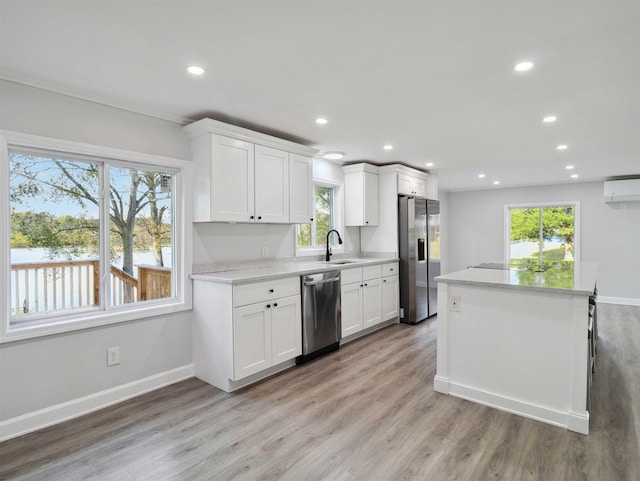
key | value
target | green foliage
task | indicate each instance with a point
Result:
(556, 222)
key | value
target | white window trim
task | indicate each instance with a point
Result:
(89, 319)
(338, 220)
(576, 224)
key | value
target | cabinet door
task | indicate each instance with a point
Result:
(251, 339)
(419, 187)
(232, 175)
(370, 198)
(286, 329)
(271, 185)
(404, 184)
(351, 309)
(390, 301)
(371, 303)
(300, 189)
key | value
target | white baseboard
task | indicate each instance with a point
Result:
(578, 422)
(33, 421)
(624, 301)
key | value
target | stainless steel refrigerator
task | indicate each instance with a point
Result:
(419, 252)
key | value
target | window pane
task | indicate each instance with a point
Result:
(558, 233)
(54, 234)
(304, 235)
(141, 241)
(542, 233)
(324, 215)
(525, 232)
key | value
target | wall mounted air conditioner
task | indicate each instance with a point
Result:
(622, 190)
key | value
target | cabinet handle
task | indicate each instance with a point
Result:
(268, 306)
(366, 285)
(384, 280)
(311, 219)
(391, 269)
(275, 304)
(251, 217)
(361, 285)
(366, 221)
(271, 290)
(259, 217)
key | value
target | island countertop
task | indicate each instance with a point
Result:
(561, 277)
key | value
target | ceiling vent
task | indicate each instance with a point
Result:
(622, 190)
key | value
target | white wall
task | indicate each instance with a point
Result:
(610, 234)
(40, 373)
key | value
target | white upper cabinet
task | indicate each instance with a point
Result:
(245, 176)
(361, 195)
(232, 179)
(410, 185)
(300, 189)
(271, 185)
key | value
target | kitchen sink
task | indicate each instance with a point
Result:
(345, 261)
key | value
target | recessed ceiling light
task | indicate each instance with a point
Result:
(388, 147)
(481, 176)
(523, 66)
(574, 176)
(549, 119)
(333, 155)
(429, 164)
(496, 182)
(562, 147)
(569, 167)
(195, 70)
(321, 121)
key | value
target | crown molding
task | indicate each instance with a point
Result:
(90, 97)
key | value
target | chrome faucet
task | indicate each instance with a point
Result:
(327, 256)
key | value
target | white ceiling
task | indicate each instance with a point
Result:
(433, 78)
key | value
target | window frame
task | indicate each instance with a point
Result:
(59, 323)
(338, 223)
(575, 204)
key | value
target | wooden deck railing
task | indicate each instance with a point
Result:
(49, 286)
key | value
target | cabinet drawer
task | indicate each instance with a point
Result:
(265, 291)
(371, 272)
(348, 276)
(390, 269)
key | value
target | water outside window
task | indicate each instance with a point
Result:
(56, 237)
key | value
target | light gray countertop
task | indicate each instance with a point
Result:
(285, 269)
(565, 277)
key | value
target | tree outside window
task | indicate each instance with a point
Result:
(57, 234)
(542, 233)
(314, 235)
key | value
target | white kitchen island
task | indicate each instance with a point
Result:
(518, 340)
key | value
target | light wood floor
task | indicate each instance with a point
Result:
(367, 412)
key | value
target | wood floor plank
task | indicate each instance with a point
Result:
(366, 412)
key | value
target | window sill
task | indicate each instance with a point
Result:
(90, 320)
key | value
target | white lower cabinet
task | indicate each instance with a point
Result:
(265, 334)
(351, 299)
(371, 302)
(390, 297)
(242, 333)
(364, 291)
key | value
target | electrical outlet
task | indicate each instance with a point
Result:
(265, 251)
(113, 356)
(454, 303)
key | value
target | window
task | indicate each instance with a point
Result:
(314, 235)
(542, 233)
(90, 237)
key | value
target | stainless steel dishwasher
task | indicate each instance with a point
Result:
(321, 315)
